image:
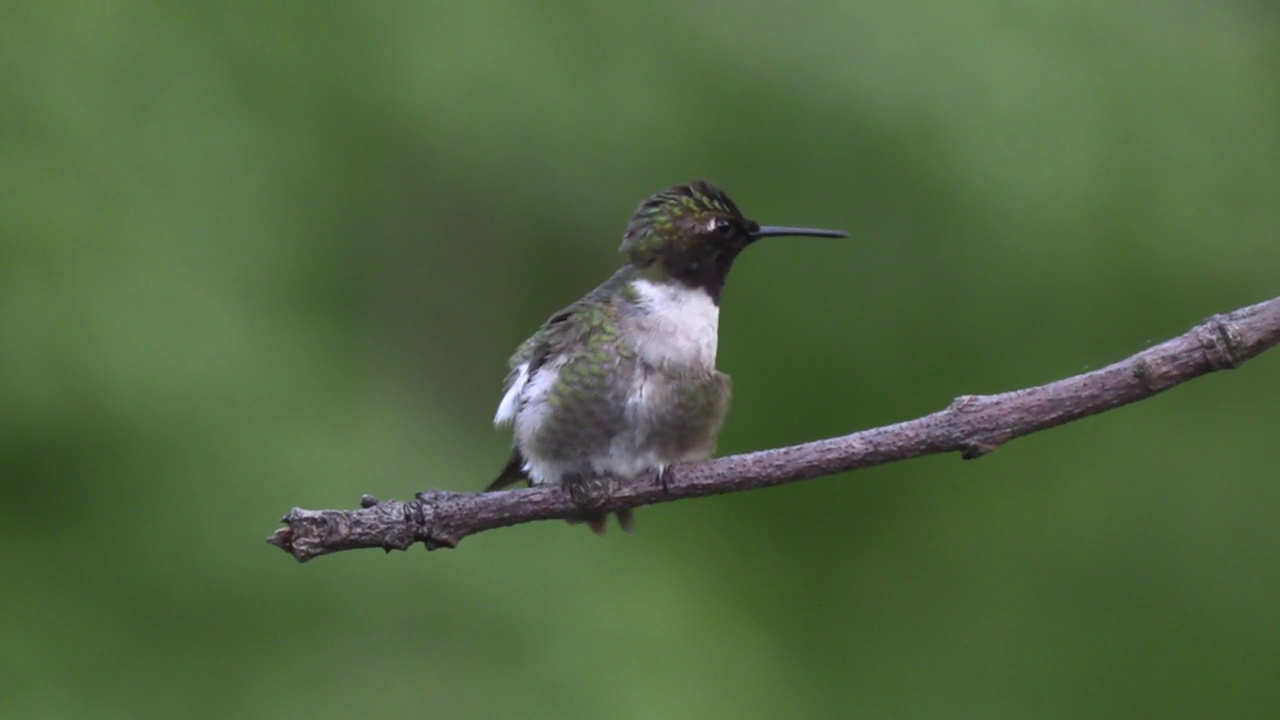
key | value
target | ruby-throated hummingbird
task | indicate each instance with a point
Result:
(623, 382)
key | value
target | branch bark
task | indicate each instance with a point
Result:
(972, 425)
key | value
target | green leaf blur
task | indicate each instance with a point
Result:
(259, 255)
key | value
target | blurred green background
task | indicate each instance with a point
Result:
(259, 255)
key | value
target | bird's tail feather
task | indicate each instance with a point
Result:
(598, 522)
(511, 474)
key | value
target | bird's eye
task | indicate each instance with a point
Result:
(722, 226)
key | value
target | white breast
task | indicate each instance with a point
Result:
(678, 325)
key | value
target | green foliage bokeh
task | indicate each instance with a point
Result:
(258, 255)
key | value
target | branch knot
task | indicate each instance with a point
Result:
(1220, 338)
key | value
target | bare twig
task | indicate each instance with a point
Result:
(973, 425)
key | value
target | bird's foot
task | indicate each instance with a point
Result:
(589, 493)
(664, 476)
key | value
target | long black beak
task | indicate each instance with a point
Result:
(784, 231)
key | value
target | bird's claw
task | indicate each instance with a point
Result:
(589, 493)
(664, 477)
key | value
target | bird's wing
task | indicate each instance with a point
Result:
(555, 336)
(528, 358)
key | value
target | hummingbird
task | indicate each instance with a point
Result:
(623, 383)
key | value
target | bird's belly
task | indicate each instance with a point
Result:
(677, 416)
(636, 421)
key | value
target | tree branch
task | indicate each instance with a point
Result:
(973, 425)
